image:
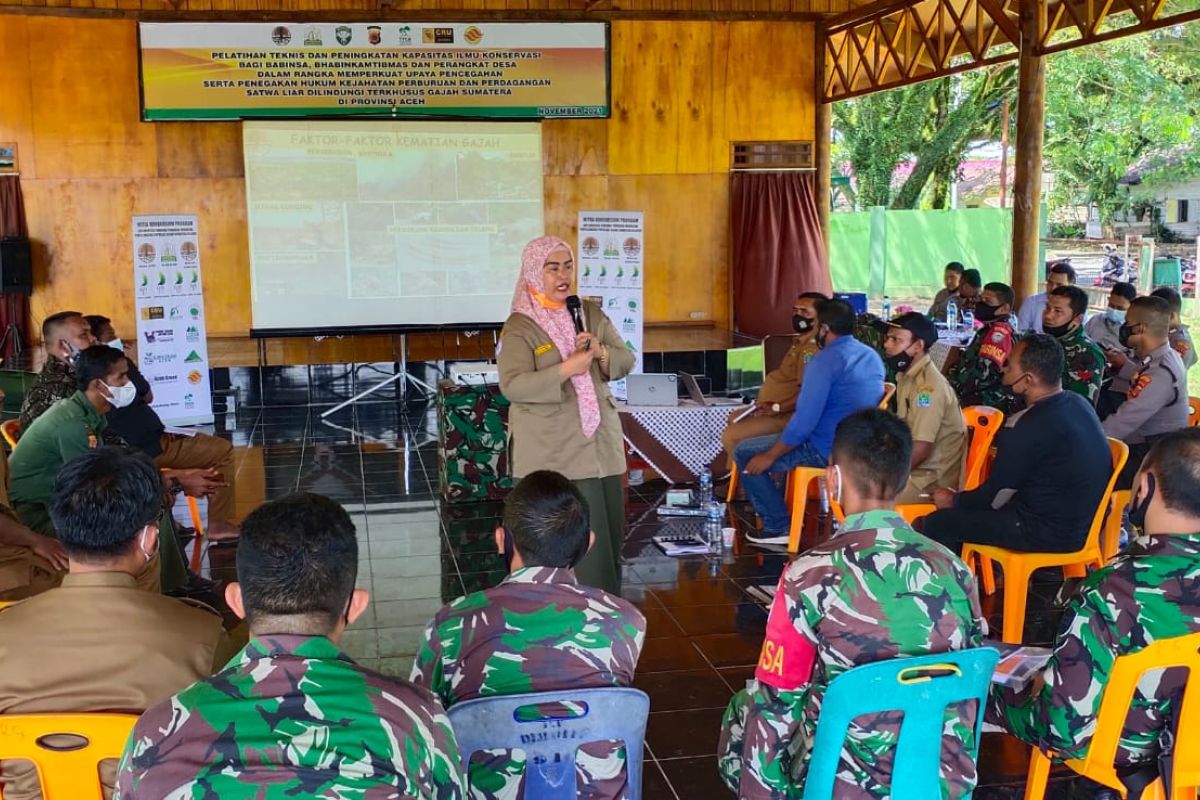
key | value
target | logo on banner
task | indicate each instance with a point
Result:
(165, 379)
(632, 247)
(281, 36)
(192, 334)
(176, 312)
(150, 359)
(195, 377)
(591, 246)
(146, 253)
(374, 34)
(152, 312)
(188, 251)
(437, 35)
(189, 400)
(405, 34)
(473, 35)
(160, 336)
(168, 258)
(193, 357)
(344, 34)
(312, 38)
(194, 312)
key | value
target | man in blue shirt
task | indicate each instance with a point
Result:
(845, 376)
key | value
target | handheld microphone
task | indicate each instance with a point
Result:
(575, 308)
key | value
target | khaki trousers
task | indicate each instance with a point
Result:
(203, 452)
(749, 428)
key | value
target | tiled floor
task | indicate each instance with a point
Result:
(704, 629)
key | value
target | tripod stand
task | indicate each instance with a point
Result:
(12, 331)
(403, 376)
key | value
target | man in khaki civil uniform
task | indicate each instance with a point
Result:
(926, 402)
(97, 643)
(780, 388)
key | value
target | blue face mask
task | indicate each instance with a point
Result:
(1115, 315)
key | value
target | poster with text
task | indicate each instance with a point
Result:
(611, 263)
(172, 346)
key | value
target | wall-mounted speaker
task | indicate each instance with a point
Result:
(16, 265)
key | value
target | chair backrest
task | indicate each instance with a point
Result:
(1120, 454)
(915, 687)
(889, 389)
(1127, 671)
(983, 423)
(616, 714)
(775, 347)
(1193, 411)
(65, 773)
(11, 430)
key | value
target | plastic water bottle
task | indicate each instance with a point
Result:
(887, 308)
(951, 316)
(969, 320)
(712, 525)
(706, 486)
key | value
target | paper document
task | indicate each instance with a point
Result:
(681, 544)
(1018, 664)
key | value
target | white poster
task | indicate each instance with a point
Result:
(611, 262)
(172, 346)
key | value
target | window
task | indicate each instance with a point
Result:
(1182, 212)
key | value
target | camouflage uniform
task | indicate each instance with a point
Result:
(1084, 369)
(293, 716)
(1150, 591)
(55, 382)
(877, 590)
(537, 631)
(976, 378)
(473, 432)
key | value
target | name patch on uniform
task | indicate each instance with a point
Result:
(786, 659)
(543, 348)
(924, 397)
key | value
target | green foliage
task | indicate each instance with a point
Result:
(1111, 104)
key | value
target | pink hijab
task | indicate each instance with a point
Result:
(554, 321)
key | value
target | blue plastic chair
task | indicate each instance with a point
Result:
(900, 684)
(613, 714)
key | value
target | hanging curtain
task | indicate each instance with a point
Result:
(14, 308)
(778, 249)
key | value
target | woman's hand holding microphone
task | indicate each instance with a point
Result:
(581, 360)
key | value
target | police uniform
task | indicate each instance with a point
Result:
(875, 591)
(977, 377)
(926, 402)
(1083, 369)
(1156, 404)
(781, 385)
(98, 643)
(539, 630)
(293, 716)
(1181, 342)
(1150, 591)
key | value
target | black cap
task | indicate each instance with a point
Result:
(919, 325)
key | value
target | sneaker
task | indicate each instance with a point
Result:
(767, 538)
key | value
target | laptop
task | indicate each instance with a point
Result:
(651, 389)
(697, 396)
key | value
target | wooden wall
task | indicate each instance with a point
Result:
(682, 91)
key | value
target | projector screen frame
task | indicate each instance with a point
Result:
(372, 330)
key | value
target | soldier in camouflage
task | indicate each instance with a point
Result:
(1083, 370)
(473, 429)
(877, 590)
(537, 631)
(64, 335)
(1151, 591)
(292, 715)
(977, 376)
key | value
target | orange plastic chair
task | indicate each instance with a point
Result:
(983, 423)
(11, 430)
(1181, 651)
(1018, 567)
(798, 481)
(889, 389)
(198, 524)
(66, 774)
(1194, 412)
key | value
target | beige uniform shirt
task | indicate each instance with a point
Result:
(926, 402)
(544, 426)
(97, 643)
(782, 384)
(22, 574)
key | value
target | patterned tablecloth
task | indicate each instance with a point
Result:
(945, 343)
(677, 441)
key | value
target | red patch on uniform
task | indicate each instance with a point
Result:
(1181, 347)
(1140, 381)
(786, 658)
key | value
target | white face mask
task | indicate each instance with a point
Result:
(121, 396)
(117, 344)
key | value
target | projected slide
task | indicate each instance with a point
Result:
(372, 224)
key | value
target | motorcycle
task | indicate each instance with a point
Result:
(1114, 269)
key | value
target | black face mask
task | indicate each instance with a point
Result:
(1137, 511)
(1124, 333)
(1057, 331)
(801, 324)
(984, 312)
(899, 362)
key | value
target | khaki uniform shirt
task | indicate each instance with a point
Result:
(782, 384)
(22, 574)
(544, 425)
(97, 643)
(926, 402)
